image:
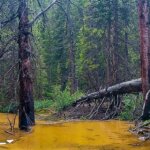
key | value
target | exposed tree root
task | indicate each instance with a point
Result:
(143, 130)
(106, 103)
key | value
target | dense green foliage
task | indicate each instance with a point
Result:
(132, 107)
(58, 101)
(101, 34)
(90, 24)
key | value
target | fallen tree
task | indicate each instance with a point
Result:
(133, 86)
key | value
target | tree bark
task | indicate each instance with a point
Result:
(144, 28)
(133, 86)
(72, 67)
(126, 24)
(108, 48)
(26, 108)
(115, 62)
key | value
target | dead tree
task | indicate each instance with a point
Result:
(133, 86)
(26, 108)
(26, 104)
(72, 67)
(144, 28)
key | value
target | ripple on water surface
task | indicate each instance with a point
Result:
(83, 135)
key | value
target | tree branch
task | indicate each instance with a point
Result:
(44, 15)
(42, 12)
(3, 49)
(12, 17)
(59, 5)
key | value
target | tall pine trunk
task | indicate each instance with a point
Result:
(72, 67)
(126, 39)
(26, 107)
(108, 48)
(115, 63)
(144, 28)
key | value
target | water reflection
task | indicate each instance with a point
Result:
(83, 135)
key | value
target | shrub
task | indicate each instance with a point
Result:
(132, 107)
(42, 104)
(63, 99)
(9, 108)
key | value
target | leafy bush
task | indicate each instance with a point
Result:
(9, 108)
(59, 99)
(42, 104)
(132, 107)
(62, 99)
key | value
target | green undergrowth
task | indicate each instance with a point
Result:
(64, 99)
(132, 107)
(12, 108)
(57, 101)
(40, 105)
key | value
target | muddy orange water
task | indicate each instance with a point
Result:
(78, 135)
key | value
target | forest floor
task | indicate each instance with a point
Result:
(82, 112)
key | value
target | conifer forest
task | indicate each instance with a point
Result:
(75, 74)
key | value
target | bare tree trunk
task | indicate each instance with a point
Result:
(26, 108)
(126, 23)
(144, 27)
(115, 44)
(133, 86)
(108, 49)
(72, 67)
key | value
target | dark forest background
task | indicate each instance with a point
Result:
(78, 47)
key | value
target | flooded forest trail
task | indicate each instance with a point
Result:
(77, 135)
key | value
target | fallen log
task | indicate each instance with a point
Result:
(133, 86)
